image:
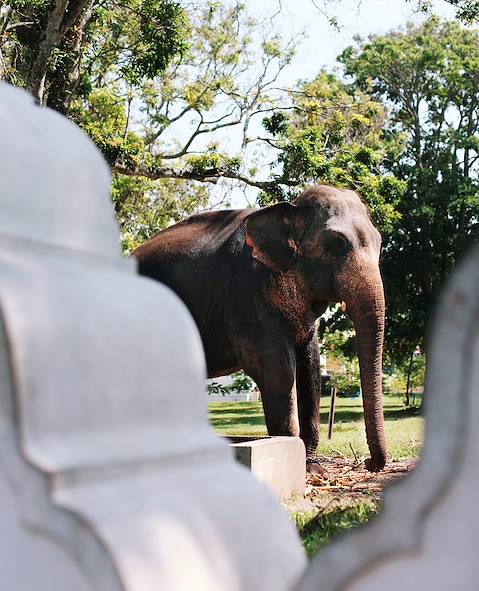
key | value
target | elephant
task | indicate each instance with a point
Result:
(257, 280)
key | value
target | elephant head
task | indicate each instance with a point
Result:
(327, 240)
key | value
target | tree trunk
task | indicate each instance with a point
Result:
(38, 72)
(61, 18)
(408, 382)
(66, 79)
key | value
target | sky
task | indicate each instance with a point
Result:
(355, 17)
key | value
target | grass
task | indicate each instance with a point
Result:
(317, 529)
(404, 427)
(404, 434)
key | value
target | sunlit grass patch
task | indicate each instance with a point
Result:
(317, 529)
(404, 428)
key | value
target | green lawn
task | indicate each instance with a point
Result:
(317, 529)
(404, 434)
(404, 427)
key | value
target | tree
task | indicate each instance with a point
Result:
(226, 80)
(153, 105)
(165, 130)
(333, 134)
(428, 75)
(47, 46)
(158, 122)
(406, 377)
(467, 10)
(143, 206)
(240, 383)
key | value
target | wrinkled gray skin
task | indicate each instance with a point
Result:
(257, 280)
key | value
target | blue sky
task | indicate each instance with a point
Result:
(324, 42)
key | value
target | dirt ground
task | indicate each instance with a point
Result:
(347, 483)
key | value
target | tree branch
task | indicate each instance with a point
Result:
(72, 14)
(184, 150)
(211, 175)
(266, 140)
(198, 131)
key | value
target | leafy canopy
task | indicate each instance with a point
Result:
(334, 134)
(427, 76)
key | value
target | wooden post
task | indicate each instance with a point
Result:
(332, 410)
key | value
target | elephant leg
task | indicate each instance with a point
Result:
(308, 384)
(274, 374)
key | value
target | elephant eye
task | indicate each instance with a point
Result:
(335, 243)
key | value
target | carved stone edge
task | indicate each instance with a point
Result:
(408, 504)
(85, 548)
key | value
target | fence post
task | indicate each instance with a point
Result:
(332, 411)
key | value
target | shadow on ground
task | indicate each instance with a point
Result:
(228, 416)
(222, 419)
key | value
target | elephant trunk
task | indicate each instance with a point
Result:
(366, 307)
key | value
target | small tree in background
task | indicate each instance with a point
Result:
(406, 378)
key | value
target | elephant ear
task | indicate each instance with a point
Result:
(271, 233)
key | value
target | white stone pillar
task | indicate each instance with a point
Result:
(110, 476)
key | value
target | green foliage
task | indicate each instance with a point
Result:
(144, 207)
(135, 39)
(427, 76)
(103, 118)
(403, 131)
(241, 383)
(136, 122)
(19, 43)
(160, 33)
(338, 341)
(348, 380)
(395, 381)
(127, 102)
(334, 135)
(467, 10)
(212, 161)
(336, 334)
(317, 529)
(405, 377)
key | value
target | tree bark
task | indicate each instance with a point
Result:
(206, 176)
(408, 382)
(62, 15)
(66, 79)
(38, 73)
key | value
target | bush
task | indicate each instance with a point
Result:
(347, 382)
(241, 383)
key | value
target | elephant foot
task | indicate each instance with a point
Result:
(374, 466)
(313, 466)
